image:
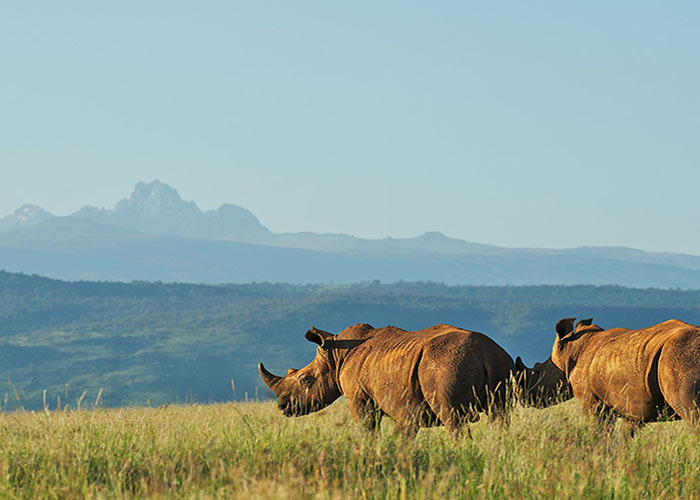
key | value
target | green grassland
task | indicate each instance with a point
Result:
(249, 450)
(73, 351)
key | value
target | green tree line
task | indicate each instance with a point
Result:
(152, 342)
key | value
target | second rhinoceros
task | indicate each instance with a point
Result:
(545, 384)
(638, 374)
(542, 385)
(440, 375)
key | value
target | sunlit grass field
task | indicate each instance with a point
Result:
(249, 450)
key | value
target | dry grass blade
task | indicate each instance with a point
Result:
(249, 450)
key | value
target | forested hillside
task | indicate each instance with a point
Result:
(145, 342)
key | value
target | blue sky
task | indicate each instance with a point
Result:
(546, 124)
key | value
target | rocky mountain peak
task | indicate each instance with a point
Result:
(159, 209)
(154, 200)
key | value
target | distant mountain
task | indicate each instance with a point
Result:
(156, 235)
(157, 208)
(26, 215)
(432, 242)
(78, 249)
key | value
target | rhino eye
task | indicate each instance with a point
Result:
(307, 380)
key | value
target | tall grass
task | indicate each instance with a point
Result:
(248, 450)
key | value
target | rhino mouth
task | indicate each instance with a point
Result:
(541, 397)
(291, 408)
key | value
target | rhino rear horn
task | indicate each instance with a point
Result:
(270, 379)
(565, 327)
(519, 365)
(584, 322)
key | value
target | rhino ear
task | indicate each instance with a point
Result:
(317, 336)
(519, 365)
(565, 327)
(584, 322)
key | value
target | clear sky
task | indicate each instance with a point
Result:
(540, 123)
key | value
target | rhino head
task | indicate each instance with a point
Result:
(310, 388)
(544, 384)
(567, 331)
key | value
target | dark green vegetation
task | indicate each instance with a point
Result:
(154, 342)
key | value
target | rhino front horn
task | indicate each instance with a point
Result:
(269, 378)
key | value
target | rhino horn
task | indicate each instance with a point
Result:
(269, 378)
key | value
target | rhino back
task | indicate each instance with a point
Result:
(620, 367)
(629, 353)
(399, 369)
(383, 368)
(385, 361)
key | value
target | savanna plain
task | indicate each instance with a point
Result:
(249, 450)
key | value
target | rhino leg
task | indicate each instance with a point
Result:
(453, 380)
(496, 406)
(456, 420)
(454, 409)
(687, 406)
(629, 428)
(365, 412)
(595, 408)
(679, 377)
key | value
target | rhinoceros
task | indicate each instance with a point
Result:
(642, 375)
(440, 375)
(542, 385)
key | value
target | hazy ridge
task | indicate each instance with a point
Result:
(156, 235)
